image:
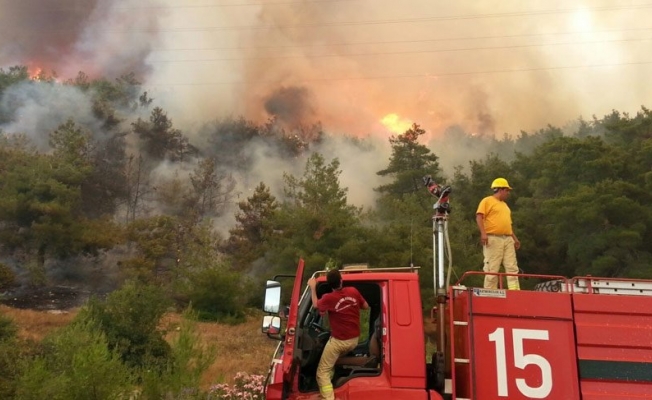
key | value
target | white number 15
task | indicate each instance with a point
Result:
(521, 361)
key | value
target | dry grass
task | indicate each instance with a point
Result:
(240, 348)
(35, 325)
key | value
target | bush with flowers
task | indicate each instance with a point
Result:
(244, 387)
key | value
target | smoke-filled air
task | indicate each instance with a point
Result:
(248, 89)
(366, 68)
(158, 156)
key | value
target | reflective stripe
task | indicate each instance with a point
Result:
(511, 285)
(326, 389)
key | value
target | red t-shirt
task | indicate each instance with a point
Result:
(343, 307)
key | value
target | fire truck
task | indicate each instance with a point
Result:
(583, 338)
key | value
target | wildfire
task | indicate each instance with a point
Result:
(396, 124)
(35, 72)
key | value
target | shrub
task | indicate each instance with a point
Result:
(76, 363)
(130, 320)
(188, 362)
(245, 387)
(9, 354)
(8, 329)
(7, 276)
(217, 293)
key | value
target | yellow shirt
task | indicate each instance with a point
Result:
(497, 216)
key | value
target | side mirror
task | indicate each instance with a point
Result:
(271, 325)
(272, 297)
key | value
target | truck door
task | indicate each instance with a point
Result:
(289, 360)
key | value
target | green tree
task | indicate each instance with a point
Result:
(40, 199)
(247, 240)
(130, 318)
(160, 140)
(315, 219)
(10, 77)
(217, 293)
(76, 363)
(211, 189)
(106, 187)
(10, 352)
(409, 163)
(190, 358)
(226, 140)
(602, 230)
(110, 99)
(157, 242)
(404, 208)
(205, 193)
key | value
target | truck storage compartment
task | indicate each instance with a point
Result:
(614, 345)
(513, 344)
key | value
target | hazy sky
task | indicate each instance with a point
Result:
(489, 67)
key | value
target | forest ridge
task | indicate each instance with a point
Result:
(91, 206)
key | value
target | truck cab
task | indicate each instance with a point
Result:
(582, 338)
(388, 361)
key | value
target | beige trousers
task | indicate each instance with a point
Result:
(500, 251)
(332, 351)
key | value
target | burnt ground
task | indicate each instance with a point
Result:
(44, 299)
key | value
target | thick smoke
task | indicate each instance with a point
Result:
(291, 106)
(38, 108)
(461, 70)
(472, 67)
(489, 69)
(41, 34)
(104, 38)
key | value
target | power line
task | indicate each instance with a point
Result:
(279, 3)
(399, 52)
(424, 75)
(311, 45)
(45, 9)
(412, 20)
(381, 22)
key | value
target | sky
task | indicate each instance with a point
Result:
(357, 66)
(368, 68)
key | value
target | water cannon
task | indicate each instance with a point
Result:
(442, 205)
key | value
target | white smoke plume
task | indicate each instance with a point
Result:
(39, 108)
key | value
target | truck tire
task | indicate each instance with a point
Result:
(548, 286)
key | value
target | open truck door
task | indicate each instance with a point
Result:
(279, 388)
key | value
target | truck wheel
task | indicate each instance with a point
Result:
(548, 286)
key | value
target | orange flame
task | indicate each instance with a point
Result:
(396, 124)
(35, 72)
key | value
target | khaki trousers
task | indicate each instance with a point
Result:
(500, 250)
(332, 351)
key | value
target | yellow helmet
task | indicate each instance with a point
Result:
(500, 183)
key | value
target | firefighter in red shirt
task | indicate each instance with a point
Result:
(343, 306)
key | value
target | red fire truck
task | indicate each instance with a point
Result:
(583, 338)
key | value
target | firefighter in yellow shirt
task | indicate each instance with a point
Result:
(499, 243)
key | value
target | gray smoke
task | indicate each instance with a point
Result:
(291, 106)
(36, 109)
(103, 38)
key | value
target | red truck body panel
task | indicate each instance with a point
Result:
(515, 345)
(614, 346)
(519, 345)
